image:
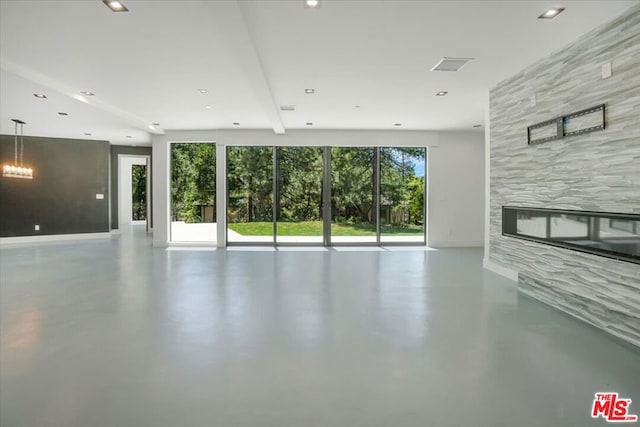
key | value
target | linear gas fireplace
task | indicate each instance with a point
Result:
(611, 235)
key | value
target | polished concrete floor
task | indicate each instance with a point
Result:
(117, 334)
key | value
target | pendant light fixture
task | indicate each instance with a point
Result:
(15, 170)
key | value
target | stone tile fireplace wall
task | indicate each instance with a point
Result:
(598, 171)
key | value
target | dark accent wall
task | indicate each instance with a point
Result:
(115, 151)
(61, 198)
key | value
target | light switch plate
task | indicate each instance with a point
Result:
(606, 70)
(533, 100)
(99, 196)
(36, 227)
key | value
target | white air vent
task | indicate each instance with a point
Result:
(450, 64)
(287, 108)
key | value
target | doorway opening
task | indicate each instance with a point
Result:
(139, 192)
(134, 190)
(193, 192)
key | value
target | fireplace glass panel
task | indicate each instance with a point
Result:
(565, 226)
(612, 235)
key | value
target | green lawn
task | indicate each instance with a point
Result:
(314, 228)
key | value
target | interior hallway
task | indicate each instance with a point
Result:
(115, 333)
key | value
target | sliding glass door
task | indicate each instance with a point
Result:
(326, 195)
(353, 195)
(250, 194)
(299, 194)
(402, 206)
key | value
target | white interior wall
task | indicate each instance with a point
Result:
(346, 138)
(221, 196)
(456, 190)
(160, 189)
(456, 160)
(487, 176)
(125, 206)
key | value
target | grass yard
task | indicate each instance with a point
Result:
(314, 228)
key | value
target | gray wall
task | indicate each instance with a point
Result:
(599, 171)
(123, 149)
(61, 198)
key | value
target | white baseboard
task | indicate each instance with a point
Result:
(191, 244)
(7, 241)
(160, 244)
(117, 231)
(503, 271)
(462, 244)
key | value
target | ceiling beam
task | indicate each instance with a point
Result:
(231, 22)
(63, 88)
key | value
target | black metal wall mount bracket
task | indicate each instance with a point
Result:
(558, 128)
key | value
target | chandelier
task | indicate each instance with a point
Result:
(15, 171)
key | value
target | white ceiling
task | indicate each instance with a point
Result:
(146, 65)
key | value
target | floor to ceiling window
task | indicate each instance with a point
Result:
(402, 191)
(299, 194)
(250, 194)
(326, 195)
(193, 192)
(353, 195)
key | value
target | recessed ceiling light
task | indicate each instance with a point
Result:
(208, 107)
(40, 95)
(477, 126)
(63, 114)
(356, 106)
(551, 13)
(129, 136)
(80, 98)
(309, 91)
(441, 93)
(87, 134)
(309, 123)
(397, 124)
(152, 127)
(312, 4)
(87, 93)
(287, 108)
(115, 5)
(236, 124)
(203, 91)
(156, 124)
